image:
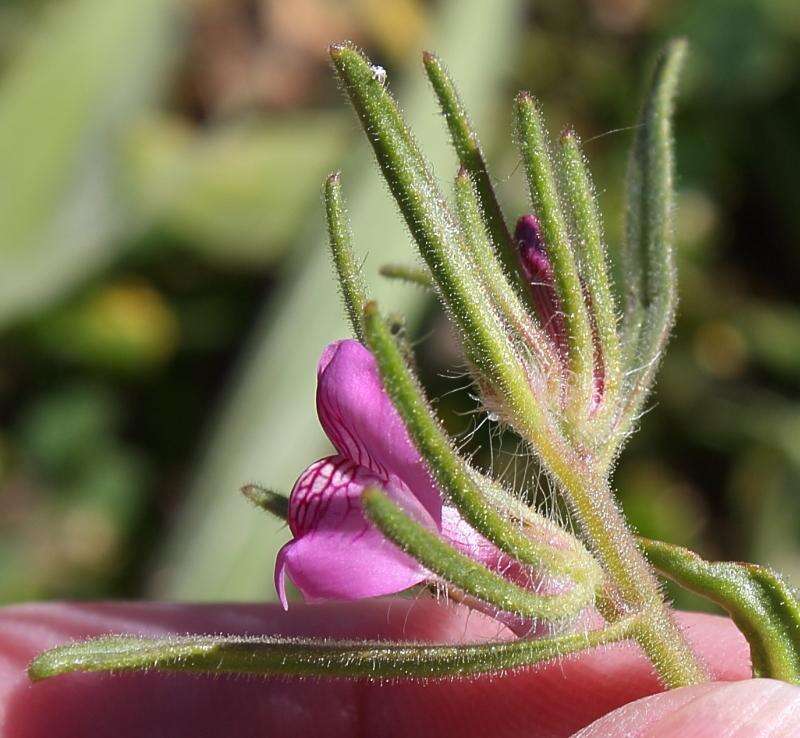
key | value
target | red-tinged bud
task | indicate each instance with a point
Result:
(538, 273)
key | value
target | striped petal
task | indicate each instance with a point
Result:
(336, 553)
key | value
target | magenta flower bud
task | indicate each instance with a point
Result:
(538, 273)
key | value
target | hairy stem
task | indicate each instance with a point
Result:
(637, 589)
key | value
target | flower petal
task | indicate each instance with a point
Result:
(363, 425)
(336, 553)
(471, 543)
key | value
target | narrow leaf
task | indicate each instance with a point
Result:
(340, 239)
(579, 194)
(536, 156)
(761, 603)
(648, 260)
(272, 502)
(267, 656)
(468, 148)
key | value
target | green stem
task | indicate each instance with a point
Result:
(763, 606)
(604, 525)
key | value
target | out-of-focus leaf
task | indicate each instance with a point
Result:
(773, 334)
(127, 326)
(72, 500)
(236, 193)
(268, 431)
(63, 102)
(61, 429)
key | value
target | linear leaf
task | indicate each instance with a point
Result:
(648, 260)
(340, 239)
(268, 656)
(467, 145)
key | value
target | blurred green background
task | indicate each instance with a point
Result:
(165, 290)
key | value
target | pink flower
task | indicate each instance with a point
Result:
(336, 553)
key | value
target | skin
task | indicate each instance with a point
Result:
(553, 700)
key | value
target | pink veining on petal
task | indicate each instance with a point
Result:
(336, 554)
(325, 485)
(362, 423)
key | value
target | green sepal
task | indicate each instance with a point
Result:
(761, 603)
(473, 578)
(272, 502)
(340, 239)
(647, 257)
(590, 251)
(468, 148)
(536, 156)
(419, 276)
(294, 657)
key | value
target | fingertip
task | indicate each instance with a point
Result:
(753, 708)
